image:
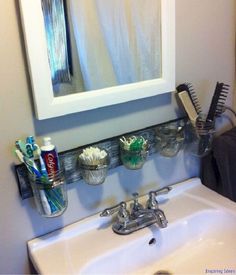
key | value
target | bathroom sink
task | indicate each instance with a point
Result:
(200, 238)
(198, 242)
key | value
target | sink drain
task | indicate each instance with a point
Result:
(152, 241)
(163, 272)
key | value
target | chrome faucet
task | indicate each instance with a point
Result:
(138, 217)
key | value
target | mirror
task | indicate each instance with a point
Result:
(102, 43)
(108, 76)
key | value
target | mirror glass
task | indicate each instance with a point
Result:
(102, 43)
(87, 54)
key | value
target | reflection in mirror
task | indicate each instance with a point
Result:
(56, 35)
(94, 44)
(126, 52)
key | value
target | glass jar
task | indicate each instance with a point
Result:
(133, 159)
(170, 138)
(94, 172)
(199, 137)
(50, 194)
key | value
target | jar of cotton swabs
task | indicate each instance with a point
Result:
(93, 164)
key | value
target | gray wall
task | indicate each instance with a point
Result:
(204, 54)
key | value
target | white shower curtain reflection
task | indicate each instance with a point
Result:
(118, 41)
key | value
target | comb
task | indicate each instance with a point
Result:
(188, 87)
(218, 101)
(221, 102)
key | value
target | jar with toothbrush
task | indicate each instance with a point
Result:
(93, 164)
(133, 151)
(45, 175)
(50, 194)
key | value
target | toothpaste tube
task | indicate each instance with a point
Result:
(50, 156)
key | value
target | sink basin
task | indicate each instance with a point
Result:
(197, 242)
(200, 238)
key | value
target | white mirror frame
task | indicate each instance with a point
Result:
(48, 106)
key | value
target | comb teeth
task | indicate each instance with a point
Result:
(203, 127)
(220, 108)
(218, 101)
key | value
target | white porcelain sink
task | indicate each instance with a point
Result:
(197, 242)
(200, 239)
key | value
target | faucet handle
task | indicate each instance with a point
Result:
(112, 210)
(162, 191)
(152, 203)
(123, 215)
(135, 202)
(135, 206)
(135, 196)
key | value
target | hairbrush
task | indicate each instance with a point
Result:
(188, 87)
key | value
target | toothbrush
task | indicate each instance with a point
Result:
(24, 148)
(31, 148)
(42, 163)
(51, 200)
(29, 163)
(20, 146)
(21, 158)
(31, 140)
(45, 203)
(32, 166)
(32, 170)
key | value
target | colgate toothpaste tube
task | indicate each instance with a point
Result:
(50, 156)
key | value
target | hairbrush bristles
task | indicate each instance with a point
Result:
(194, 98)
(188, 87)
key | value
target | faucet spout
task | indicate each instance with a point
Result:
(161, 218)
(152, 216)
